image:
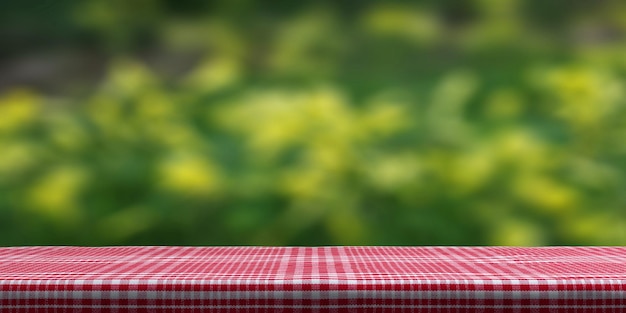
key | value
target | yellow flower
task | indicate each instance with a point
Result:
(267, 119)
(383, 118)
(158, 119)
(305, 183)
(17, 157)
(471, 170)
(215, 74)
(272, 121)
(18, 108)
(56, 194)
(520, 148)
(328, 153)
(546, 194)
(326, 110)
(66, 132)
(188, 174)
(392, 172)
(586, 96)
(404, 22)
(128, 77)
(154, 105)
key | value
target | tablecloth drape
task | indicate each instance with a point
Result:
(312, 279)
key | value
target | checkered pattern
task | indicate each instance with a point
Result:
(321, 279)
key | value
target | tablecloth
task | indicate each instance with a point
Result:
(312, 279)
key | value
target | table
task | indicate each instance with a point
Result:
(312, 279)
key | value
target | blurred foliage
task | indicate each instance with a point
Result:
(237, 123)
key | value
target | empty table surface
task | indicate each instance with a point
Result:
(313, 279)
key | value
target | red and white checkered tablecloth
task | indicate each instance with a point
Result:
(313, 279)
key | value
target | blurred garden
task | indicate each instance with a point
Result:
(164, 122)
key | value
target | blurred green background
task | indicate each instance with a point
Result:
(165, 122)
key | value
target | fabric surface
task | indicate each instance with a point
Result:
(313, 279)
